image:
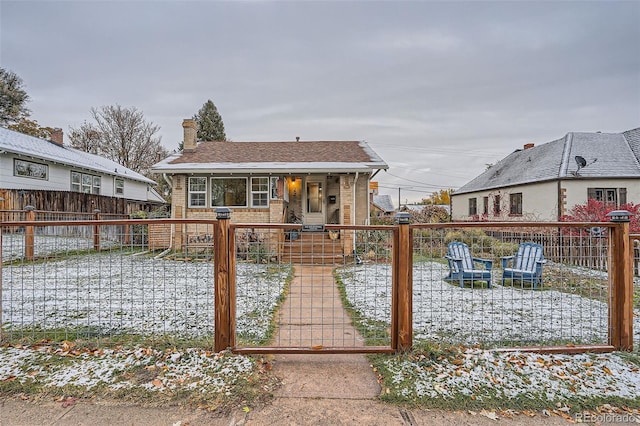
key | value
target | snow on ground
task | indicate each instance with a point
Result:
(106, 294)
(13, 245)
(484, 374)
(493, 316)
(144, 368)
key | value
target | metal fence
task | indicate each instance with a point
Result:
(129, 279)
(330, 271)
(567, 304)
(325, 288)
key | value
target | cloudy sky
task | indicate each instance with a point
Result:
(438, 89)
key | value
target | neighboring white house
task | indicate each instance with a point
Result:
(30, 165)
(542, 183)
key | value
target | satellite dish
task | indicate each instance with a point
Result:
(580, 161)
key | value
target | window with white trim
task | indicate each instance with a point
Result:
(83, 182)
(229, 192)
(197, 192)
(119, 186)
(259, 192)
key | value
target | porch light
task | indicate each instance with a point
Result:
(402, 218)
(619, 216)
(223, 213)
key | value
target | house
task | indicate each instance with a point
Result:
(314, 182)
(542, 183)
(49, 176)
(382, 206)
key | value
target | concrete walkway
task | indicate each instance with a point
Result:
(313, 316)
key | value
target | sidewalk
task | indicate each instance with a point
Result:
(327, 389)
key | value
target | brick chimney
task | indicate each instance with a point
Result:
(57, 136)
(190, 133)
(529, 145)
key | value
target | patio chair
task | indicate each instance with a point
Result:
(462, 265)
(525, 266)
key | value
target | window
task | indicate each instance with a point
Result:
(485, 206)
(473, 206)
(259, 192)
(29, 169)
(515, 203)
(229, 192)
(119, 186)
(615, 196)
(82, 182)
(496, 205)
(197, 192)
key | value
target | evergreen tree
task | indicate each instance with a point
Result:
(13, 98)
(210, 125)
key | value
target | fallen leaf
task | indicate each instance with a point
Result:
(69, 402)
(157, 383)
(9, 379)
(606, 370)
(246, 409)
(489, 414)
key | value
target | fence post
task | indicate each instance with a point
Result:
(28, 233)
(1, 281)
(403, 265)
(221, 281)
(620, 282)
(96, 231)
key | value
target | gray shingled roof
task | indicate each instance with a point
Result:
(384, 203)
(608, 155)
(29, 146)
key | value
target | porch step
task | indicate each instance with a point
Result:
(313, 248)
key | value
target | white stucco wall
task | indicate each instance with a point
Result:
(539, 203)
(540, 200)
(576, 189)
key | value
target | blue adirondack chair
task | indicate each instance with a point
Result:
(462, 265)
(525, 266)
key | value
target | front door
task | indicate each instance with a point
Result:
(314, 200)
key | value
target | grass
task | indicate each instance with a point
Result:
(446, 377)
(150, 376)
(374, 332)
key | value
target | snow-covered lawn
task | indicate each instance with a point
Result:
(500, 315)
(112, 293)
(13, 245)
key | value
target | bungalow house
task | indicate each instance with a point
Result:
(315, 183)
(542, 183)
(310, 183)
(49, 176)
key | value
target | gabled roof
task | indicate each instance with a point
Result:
(293, 157)
(607, 155)
(40, 149)
(384, 203)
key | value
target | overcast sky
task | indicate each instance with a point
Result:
(437, 89)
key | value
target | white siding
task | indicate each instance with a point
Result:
(59, 179)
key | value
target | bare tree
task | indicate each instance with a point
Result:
(122, 135)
